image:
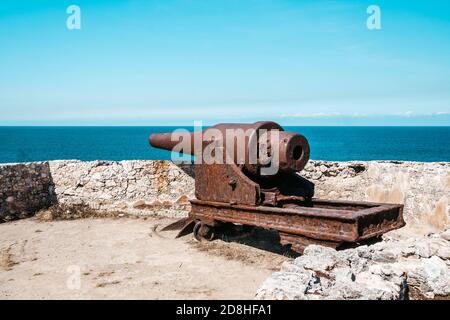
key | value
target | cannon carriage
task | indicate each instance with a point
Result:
(255, 180)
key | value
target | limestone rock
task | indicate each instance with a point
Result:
(430, 277)
(446, 235)
(388, 270)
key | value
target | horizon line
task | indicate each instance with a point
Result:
(207, 124)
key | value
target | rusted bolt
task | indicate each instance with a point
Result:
(232, 183)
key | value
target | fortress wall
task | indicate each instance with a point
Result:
(24, 189)
(163, 188)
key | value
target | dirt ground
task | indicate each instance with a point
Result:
(126, 258)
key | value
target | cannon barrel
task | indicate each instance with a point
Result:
(166, 141)
(292, 148)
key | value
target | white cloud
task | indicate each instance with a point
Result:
(405, 114)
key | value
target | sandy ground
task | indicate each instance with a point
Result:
(124, 259)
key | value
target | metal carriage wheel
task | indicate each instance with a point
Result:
(203, 231)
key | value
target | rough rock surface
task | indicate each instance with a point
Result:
(134, 187)
(413, 268)
(24, 189)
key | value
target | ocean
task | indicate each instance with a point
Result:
(24, 144)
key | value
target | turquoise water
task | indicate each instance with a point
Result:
(23, 144)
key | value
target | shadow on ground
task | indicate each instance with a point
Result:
(255, 237)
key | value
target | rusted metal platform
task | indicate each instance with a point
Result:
(325, 222)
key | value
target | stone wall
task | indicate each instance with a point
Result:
(24, 188)
(161, 187)
(424, 188)
(133, 187)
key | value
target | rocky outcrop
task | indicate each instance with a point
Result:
(414, 268)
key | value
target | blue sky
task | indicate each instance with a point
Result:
(171, 62)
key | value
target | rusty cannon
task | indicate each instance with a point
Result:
(248, 174)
